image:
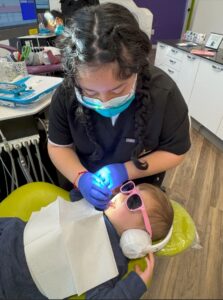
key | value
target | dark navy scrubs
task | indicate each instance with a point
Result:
(167, 129)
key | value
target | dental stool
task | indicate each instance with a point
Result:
(32, 196)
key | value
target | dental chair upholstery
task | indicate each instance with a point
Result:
(143, 15)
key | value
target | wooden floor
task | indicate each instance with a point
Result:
(197, 184)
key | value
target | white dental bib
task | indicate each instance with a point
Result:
(67, 248)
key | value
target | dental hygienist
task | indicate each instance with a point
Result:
(115, 117)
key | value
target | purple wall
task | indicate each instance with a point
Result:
(168, 17)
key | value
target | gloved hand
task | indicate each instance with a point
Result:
(113, 175)
(94, 190)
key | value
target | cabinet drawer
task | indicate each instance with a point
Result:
(171, 72)
(161, 54)
(161, 46)
(175, 53)
(174, 63)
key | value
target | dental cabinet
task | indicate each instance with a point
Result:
(200, 80)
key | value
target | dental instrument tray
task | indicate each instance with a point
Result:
(27, 90)
(12, 88)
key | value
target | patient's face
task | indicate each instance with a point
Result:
(118, 210)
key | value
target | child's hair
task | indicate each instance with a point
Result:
(103, 34)
(161, 212)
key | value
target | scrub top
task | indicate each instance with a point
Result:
(167, 127)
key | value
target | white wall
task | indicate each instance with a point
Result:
(55, 4)
(208, 16)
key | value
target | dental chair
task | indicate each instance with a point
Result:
(32, 196)
(143, 15)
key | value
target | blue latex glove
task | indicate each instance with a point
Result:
(113, 175)
(94, 190)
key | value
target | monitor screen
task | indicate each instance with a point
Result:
(42, 5)
(17, 17)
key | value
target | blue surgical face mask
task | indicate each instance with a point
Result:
(109, 108)
(59, 29)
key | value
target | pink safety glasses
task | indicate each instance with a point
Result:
(134, 202)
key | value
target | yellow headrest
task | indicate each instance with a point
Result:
(32, 196)
(183, 234)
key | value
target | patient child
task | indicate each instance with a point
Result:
(123, 214)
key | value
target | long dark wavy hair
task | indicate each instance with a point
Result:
(103, 34)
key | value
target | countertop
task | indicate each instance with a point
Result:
(218, 58)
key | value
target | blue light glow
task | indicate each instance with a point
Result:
(105, 176)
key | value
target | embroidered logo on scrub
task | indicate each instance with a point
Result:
(130, 140)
